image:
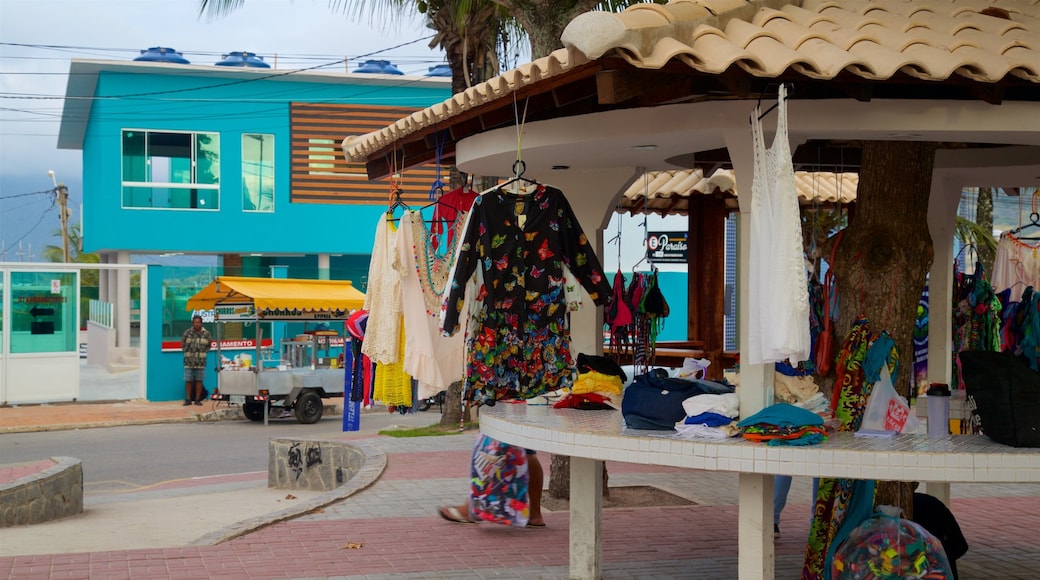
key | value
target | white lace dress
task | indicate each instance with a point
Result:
(777, 287)
(383, 297)
(433, 360)
(1016, 266)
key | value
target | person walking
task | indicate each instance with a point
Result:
(195, 343)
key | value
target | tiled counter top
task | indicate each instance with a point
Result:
(602, 435)
(591, 437)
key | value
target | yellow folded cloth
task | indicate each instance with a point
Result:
(593, 381)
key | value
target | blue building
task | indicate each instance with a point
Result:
(238, 162)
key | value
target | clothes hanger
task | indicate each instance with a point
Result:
(398, 202)
(1034, 222)
(519, 167)
(789, 87)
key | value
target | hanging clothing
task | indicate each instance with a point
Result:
(392, 386)
(778, 309)
(1016, 266)
(446, 213)
(840, 502)
(435, 361)
(383, 297)
(360, 365)
(520, 345)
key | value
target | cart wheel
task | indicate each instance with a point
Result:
(425, 404)
(309, 408)
(253, 410)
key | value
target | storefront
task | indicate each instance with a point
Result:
(295, 372)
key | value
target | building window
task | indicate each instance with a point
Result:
(258, 172)
(168, 170)
(321, 156)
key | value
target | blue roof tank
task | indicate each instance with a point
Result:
(379, 67)
(441, 70)
(162, 54)
(243, 59)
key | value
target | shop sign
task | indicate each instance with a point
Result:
(240, 344)
(667, 247)
(226, 312)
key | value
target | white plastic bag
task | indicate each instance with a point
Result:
(886, 410)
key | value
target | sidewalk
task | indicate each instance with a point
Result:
(62, 416)
(390, 529)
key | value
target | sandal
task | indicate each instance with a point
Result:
(453, 515)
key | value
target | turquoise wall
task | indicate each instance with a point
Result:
(230, 108)
(165, 370)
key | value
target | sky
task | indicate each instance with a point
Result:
(39, 38)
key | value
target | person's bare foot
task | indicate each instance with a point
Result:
(455, 514)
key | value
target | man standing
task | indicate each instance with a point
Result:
(195, 343)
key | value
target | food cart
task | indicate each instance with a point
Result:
(306, 369)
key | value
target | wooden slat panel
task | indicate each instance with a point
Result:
(320, 174)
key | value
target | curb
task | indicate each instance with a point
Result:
(229, 414)
(375, 463)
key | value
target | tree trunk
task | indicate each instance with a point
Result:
(544, 20)
(453, 414)
(885, 254)
(560, 478)
(984, 217)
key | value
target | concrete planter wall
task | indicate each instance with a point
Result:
(50, 494)
(311, 464)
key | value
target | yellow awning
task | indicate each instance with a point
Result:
(278, 293)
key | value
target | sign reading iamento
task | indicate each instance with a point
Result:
(667, 247)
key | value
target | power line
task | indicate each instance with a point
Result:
(26, 194)
(231, 83)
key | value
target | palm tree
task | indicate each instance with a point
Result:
(57, 253)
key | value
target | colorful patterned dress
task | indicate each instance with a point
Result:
(520, 343)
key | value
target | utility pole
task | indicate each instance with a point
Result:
(61, 194)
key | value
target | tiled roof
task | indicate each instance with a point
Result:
(930, 40)
(667, 192)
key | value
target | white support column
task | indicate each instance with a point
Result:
(586, 519)
(111, 280)
(943, 200)
(122, 305)
(939, 490)
(323, 266)
(591, 195)
(754, 529)
(756, 380)
(103, 280)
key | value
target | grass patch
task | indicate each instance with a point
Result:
(428, 431)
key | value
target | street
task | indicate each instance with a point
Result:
(122, 459)
(168, 484)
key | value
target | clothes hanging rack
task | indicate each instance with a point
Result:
(787, 85)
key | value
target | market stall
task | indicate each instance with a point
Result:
(305, 368)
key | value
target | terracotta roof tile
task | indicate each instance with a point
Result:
(932, 40)
(669, 191)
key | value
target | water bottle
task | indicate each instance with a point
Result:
(938, 410)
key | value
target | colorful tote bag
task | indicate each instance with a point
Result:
(498, 483)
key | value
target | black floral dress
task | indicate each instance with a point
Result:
(519, 341)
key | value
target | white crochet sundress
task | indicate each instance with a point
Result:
(383, 298)
(777, 287)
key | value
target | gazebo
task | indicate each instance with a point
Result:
(665, 87)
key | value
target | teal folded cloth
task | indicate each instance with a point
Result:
(809, 439)
(782, 415)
